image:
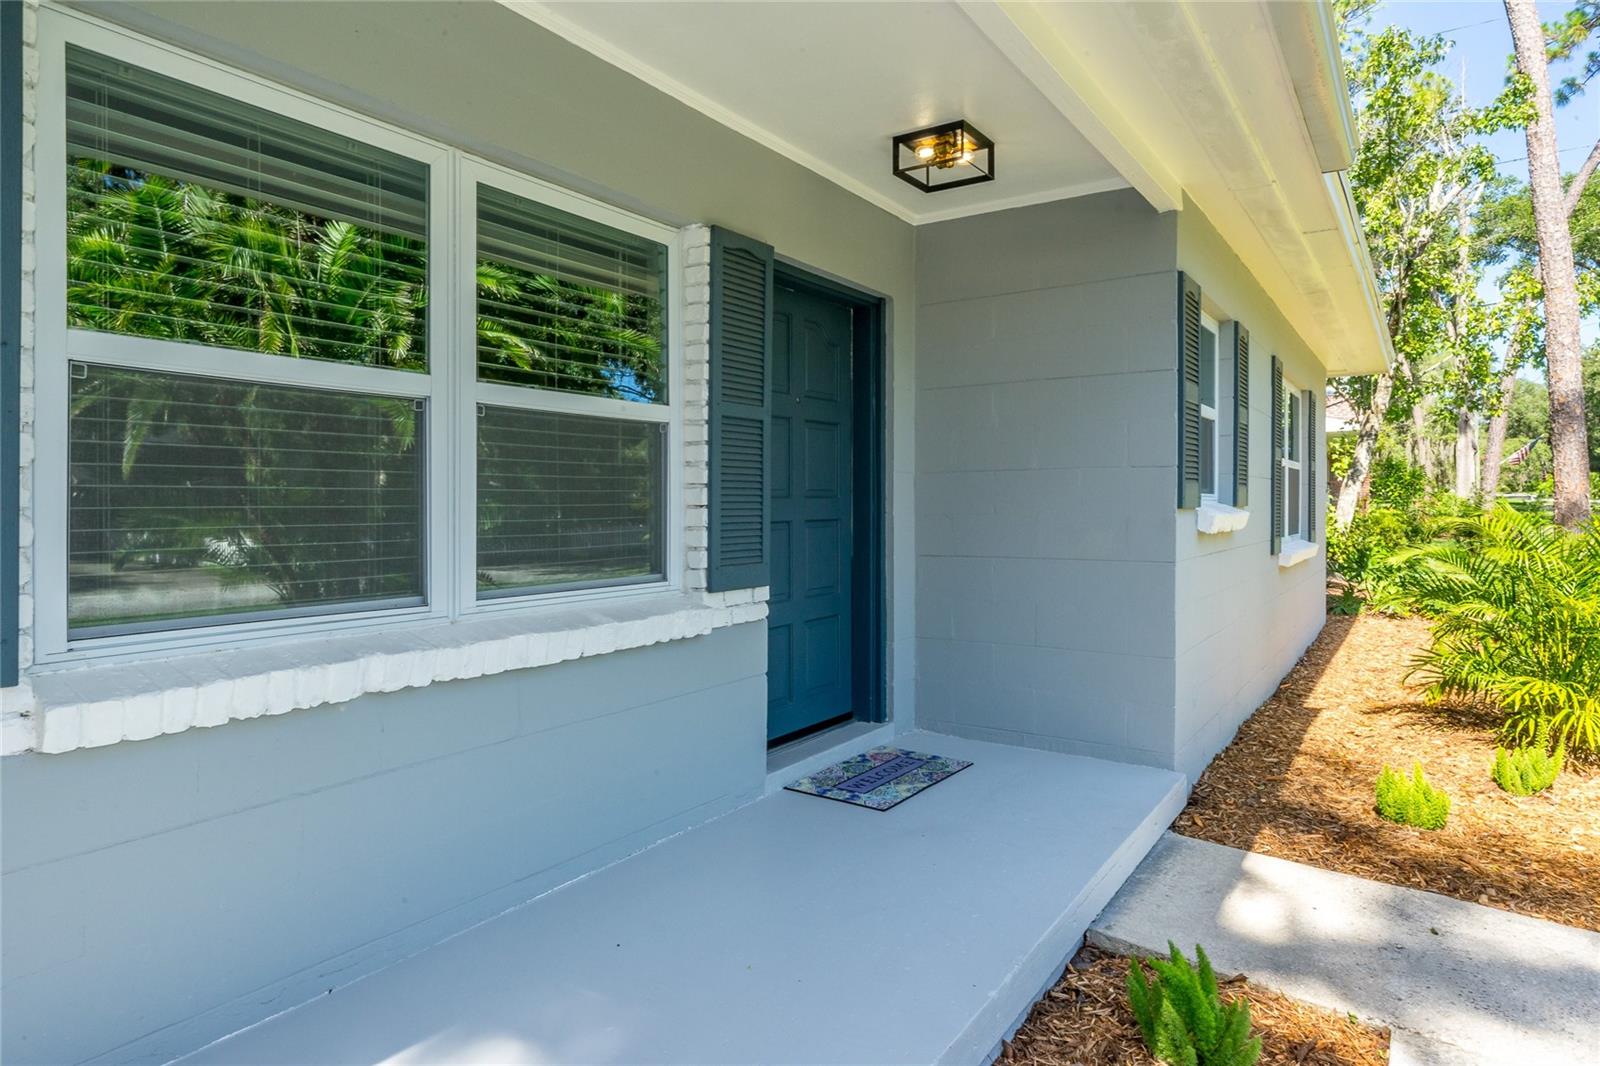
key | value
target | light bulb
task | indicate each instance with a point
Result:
(925, 152)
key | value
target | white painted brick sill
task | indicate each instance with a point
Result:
(106, 703)
(1214, 517)
(1295, 550)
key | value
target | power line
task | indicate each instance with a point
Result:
(1563, 151)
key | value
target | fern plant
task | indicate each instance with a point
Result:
(1183, 1018)
(1525, 770)
(1515, 603)
(1411, 800)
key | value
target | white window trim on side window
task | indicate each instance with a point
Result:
(1212, 517)
(1296, 550)
(448, 386)
(1211, 412)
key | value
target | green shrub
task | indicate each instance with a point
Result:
(1411, 800)
(1373, 536)
(1396, 484)
(1183, 1019)
(1515, 601)
(1525, 770)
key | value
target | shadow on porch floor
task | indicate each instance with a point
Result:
(795, 929)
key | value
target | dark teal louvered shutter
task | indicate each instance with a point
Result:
(1188, 392)
(1277, 455)
(1241, 416)
(741, 356)
(1312, 499)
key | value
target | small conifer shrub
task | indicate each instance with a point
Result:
(1411, 800)
(1522, 771)
(1182, 1017)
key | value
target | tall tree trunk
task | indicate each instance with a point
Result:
(1344, 511)
(1563, 352)
(1421, 444)
(1466, 453)
(1494, 448)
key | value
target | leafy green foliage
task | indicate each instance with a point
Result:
(1411, 800)
(1373, 536)
(1522, 771)
(1396, 484)
(1515, 603)
(1182, 1016)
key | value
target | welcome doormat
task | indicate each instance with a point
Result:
(880, 778)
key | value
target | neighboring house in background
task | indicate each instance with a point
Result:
(458, 446)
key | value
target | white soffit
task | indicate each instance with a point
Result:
(828, 85)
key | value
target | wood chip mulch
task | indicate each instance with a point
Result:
(1297, 782)
(1085, 1021)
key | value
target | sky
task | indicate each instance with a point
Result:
(1481, 52)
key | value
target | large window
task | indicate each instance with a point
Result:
(280, 399)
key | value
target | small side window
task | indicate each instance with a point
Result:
(1209, 441)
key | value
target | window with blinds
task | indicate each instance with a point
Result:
(192, 216)
(226, 438)
(567, 501)
(200, 499)
(568, 303)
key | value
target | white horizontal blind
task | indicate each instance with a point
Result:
(199, 499)
(195, 217)
(568, 303)
(567, 500)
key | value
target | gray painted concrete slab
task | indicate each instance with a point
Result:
(1459, 983)
(795, 929)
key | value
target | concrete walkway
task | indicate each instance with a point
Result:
(1458, 983)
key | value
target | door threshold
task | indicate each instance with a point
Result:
(803, 756)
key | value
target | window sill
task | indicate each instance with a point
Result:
(89, 706)
(1213, 517)
(1295, 550)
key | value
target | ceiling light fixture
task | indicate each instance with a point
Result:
(946, 156)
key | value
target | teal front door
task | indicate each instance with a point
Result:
(809, 625)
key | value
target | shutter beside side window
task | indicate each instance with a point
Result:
(1313, 500)
(741, 356)
(1241, 416)
(1277, 455)
(1188, 392)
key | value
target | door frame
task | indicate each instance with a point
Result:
(868, 393)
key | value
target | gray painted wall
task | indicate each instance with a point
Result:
(1063, 601)
(205, 880)
(1046, 429)
(1242, 622)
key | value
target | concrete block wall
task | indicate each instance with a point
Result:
(158, 895)
(1242, 620)
(1046, 459)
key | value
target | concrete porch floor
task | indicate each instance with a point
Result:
(795, 929)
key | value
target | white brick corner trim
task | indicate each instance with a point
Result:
(88, 707)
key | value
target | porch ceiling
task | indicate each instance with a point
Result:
(1237, 108)
(828, 84)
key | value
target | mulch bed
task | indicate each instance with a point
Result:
(1297, 783)
(1085, 1021)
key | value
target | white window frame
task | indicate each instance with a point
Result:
(1211, 411)
(471, 172)
(1293, 440)
(448, 386)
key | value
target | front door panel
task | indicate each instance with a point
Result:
(809, 625)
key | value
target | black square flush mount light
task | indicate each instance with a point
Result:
(944, 157)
